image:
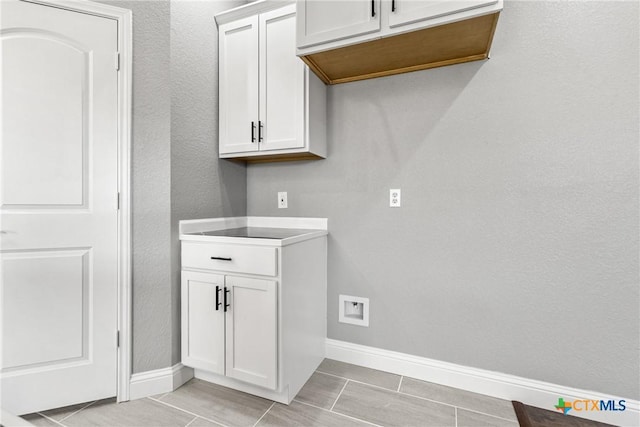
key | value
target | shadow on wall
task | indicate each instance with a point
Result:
(390, 117)
(234, 202)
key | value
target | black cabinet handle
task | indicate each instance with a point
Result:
(393, 5)
(226, 292)
(253, 132)
(219, 258)
(217, 297)
(259, 131)
(373, 8)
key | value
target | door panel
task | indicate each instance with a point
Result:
(281, 81)
(410, 11)
(252, 331)
(324, 21)
(202, 323)
(238, 85)
(36, 171)
(62, 335)
(58, 207)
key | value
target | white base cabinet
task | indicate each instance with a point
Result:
(230, 325)
(254, 310)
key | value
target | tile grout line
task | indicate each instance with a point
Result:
(489, 415)
(191, 422)
(187, 412)
(400, 384)
(161, 396)
(336, 413)
(355, 381)
(418, 397)
(454, 406)
(50, 419)
(339, 394)
(265, 413)
(81, 409)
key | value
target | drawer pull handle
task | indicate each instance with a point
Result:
(217, 297)
(219, 258)
(226, 292)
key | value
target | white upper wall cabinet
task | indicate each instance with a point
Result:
(349, 40)
(403, 12)
(331, 20)
(271, 107)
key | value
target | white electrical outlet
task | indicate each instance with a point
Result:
(282, 200)
(394, 198)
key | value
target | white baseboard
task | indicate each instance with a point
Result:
(10, 420)
(150, 383)
(503, 386)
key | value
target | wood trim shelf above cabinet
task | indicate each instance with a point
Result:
(277, 158)
(412, 35)
(455, 43)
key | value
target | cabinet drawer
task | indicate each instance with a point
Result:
(235, 258)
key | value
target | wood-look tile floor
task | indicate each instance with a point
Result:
(338, 394)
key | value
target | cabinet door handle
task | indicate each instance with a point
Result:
(373, 8)
(393, 5)
(226, 292)
(217, 297)
(220, 258)
(259, 131)
(253, 132)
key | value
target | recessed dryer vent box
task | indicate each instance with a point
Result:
(353, 310)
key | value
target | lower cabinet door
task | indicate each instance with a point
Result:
(252, 331)
(203, 321)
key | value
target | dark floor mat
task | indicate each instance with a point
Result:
(530, 416)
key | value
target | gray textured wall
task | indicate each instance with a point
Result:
(202, 186)
(151, 184)
(516, 248)
(176, 173)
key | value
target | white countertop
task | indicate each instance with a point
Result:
(301, 229)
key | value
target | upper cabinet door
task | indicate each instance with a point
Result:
(238, 65)
(403, 12)
(322, 21)
(281, 82)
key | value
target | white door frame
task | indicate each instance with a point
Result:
(124, 19)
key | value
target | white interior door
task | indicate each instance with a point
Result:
(58, 207)
(281, 81)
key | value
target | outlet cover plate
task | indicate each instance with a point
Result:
(394, 198)
(282, 200)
